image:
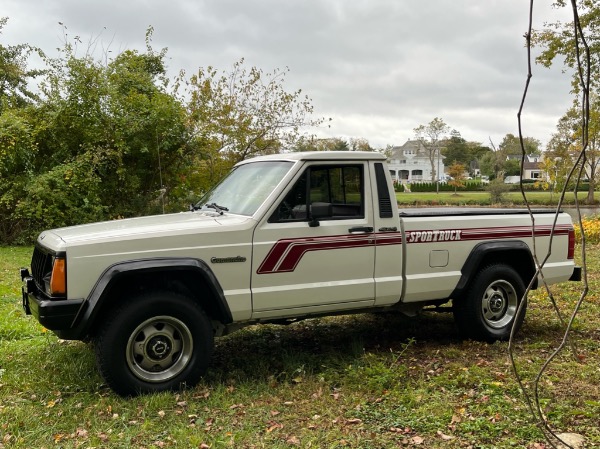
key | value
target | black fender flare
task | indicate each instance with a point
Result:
(505, 250)
(114, 273)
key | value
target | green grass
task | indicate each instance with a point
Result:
(364, 381)
(482, 198)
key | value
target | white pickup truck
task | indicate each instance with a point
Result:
(282, 238)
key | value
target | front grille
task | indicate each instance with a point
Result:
(41, 267)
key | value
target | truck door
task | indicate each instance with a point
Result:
(302, 264)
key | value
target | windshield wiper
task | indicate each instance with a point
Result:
(215, 206)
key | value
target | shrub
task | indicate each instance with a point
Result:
(497, 189)
(591, 227)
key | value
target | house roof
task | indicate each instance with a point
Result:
(415, 145)
(531, 165)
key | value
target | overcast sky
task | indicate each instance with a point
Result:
(378, 68)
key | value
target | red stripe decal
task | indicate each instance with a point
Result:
(285, 255)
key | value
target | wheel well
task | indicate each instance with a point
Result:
(186, 282)
(519, 260)
(516, 256)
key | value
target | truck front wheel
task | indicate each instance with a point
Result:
(488, 311)
(155, 342)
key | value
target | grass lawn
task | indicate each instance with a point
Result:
(482, 198)
(364, 381)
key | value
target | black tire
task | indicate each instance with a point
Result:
(157, 341)
(488, 311)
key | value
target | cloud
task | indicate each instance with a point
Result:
(379, 69)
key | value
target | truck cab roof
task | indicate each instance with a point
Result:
(319, 156)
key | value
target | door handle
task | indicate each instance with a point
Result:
(360, 230)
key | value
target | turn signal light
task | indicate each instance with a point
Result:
(58, 280)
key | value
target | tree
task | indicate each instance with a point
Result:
(312, 143)
(17, 154)
(458, 149)
(511, 146)
(558, 40)
(457, 173)
(360, 144)
(110, 139)
(492, 164)
(236, 115)
(565, 146)
(506, 159)
(15, 75)
(430, 136)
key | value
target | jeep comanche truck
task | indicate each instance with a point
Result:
(282, 238)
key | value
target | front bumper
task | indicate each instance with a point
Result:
(53, 313)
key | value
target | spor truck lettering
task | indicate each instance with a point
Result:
(442, 235)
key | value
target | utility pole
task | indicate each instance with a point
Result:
(437, 184)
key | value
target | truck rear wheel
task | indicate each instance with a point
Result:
(488, 311)
(156, 341)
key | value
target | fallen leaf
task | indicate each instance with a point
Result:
(443, 436)
(417, 440)
(81, 433)
(354, 421)
(273, 426)
(293, 440)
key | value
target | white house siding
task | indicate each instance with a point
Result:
(409, 163)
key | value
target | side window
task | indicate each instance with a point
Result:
(340, 186)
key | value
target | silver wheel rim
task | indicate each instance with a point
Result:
(499, 304)
(159, 349)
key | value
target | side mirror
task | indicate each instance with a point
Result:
(318, 211)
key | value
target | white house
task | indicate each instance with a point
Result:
(410, 163)
(532, 169)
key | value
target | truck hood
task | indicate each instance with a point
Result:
(131, 228)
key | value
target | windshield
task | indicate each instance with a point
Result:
(245, 188)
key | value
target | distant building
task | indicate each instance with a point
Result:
(532, 170)
(410, 163)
